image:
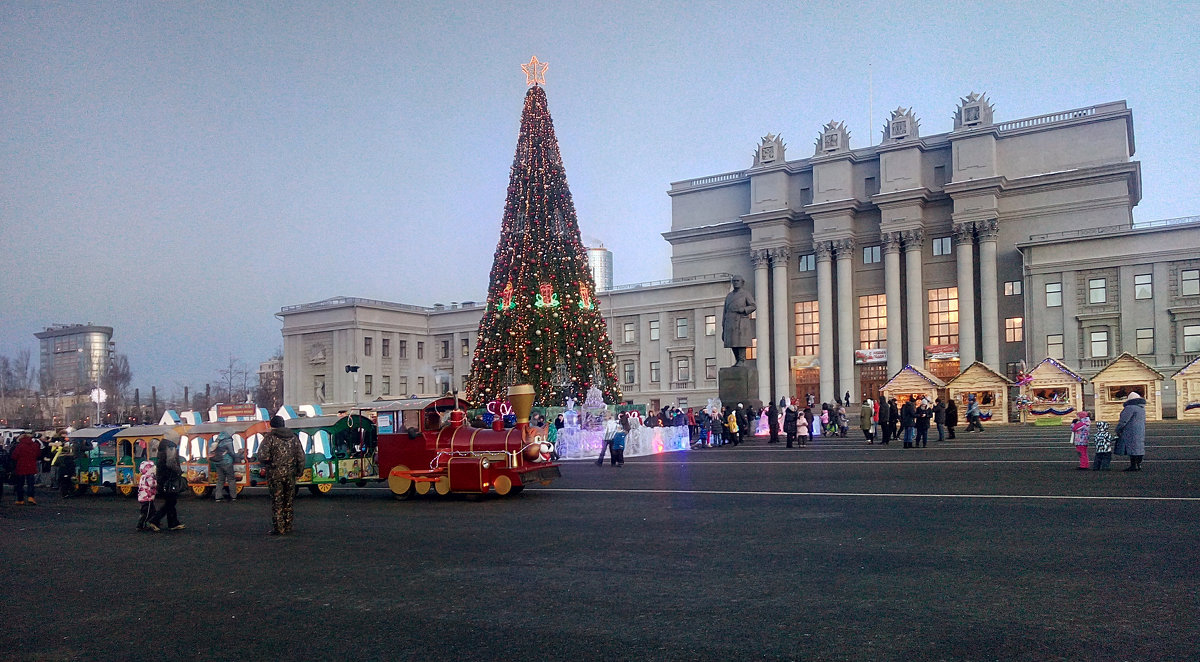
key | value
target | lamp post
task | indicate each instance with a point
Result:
(353, 370)
(98, 396)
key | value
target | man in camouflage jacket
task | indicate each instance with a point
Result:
(282, 459)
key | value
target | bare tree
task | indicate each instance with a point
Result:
(234, 381)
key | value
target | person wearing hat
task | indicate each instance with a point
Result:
(222, 462)
(1131, 431)
(169, 473)
(282, 459)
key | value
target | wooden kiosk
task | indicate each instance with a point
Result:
(989, 387)
(912, 383)
(1187, 392)
(1054, 393)
(1124, 375)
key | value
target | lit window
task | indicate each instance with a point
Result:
(1191, 339)
(1145, 341)
(1014, 329)
(752, 350)
(654, 329)
(808, 328)
(628, 369)
(1189, 282)
(1053, 295)
(683, 370)
(1097, 290)
(808, 262)
(1099, 343)
(1143, 286)
(942, 246)
(628, 335)
(710, 369)
(872, 321)
(1012, 288)
(681, 327)
(870, 254)
(367, 346)
(943, 316)
(654, 372)
(710, 325)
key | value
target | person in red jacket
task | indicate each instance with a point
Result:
(25, 456)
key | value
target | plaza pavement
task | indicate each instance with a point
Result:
(990, 547)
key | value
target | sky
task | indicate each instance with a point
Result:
(182, 171)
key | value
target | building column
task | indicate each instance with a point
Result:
(989, 316)
(914, 240)
(847, 339)
(891, 291)
(762, 327)
(781, 317)
(964, 249)
(824, 252)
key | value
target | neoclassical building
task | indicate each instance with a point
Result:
(999, 242)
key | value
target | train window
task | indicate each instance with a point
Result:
(412, 418)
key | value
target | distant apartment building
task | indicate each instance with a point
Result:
(74, 357)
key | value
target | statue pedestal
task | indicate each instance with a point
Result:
(739, 384)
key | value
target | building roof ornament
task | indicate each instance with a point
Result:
(974, 111)
(834, 138)
(902, 125)
(769, 151)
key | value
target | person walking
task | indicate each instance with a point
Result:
(1131, 431)
(222, 462)
(939, 418)
(733, 427)
(974, 414)
(924, 416)
(610, 432)
(791, 424)
(147, 489)
(1104, 446)
(1079, 436)
(865, 421)
(169, 473)
(282, 459)
(25, 457)
(908, 422)
(951, 418)
(773, 423)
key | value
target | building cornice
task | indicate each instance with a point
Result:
(782, 216)
(892, 199)
(705, 232)
(836, 207)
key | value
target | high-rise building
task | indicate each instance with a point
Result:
(74, 357)
(600, 260)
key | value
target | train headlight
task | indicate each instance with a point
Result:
(486, 464)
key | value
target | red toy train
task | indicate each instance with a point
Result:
(433, 448)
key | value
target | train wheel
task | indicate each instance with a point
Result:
(360, 483)
(503, 485)
(94, 489)
(240, 488)
(201, 491)
(442, 485)
(126, 490)
(422, 488)
(400, 485)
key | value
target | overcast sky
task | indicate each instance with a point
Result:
(181, 171)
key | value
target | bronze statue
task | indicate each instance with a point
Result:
(737, 331)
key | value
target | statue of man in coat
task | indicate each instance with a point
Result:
(737, 331)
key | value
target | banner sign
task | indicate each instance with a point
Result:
(804, 361)
(870, 356)
(941, 351)
(248, 410)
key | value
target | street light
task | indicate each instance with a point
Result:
(98, 396)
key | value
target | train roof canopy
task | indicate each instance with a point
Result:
(148, 430)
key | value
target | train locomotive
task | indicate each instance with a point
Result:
(433, 449)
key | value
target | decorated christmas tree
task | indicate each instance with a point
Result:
(542, 325)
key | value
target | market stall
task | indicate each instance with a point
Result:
(1124, 375)
(1187, 391)
(912, 383)
(989, 387)
(1051, 393)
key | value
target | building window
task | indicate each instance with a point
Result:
(1012, 288)
(367, 346)
(870, 254)
(1189, 282)
(368, 384)
(628, 333)
(403, 384)
(654, 372)
(466, 347)
(752, 350)
(710, 325)
(445, 349)
(808, 328)
(1053, 295)
(420, 350)
(683, 370)
(872, 321)
(710, 369)
(1191, 339)
(1145, 341)
(942, 246)
(386, 385)
(1097, 290)
(943, 316)
(1014, 329)
(654, 329)
(808, 262)
(681, 327)
(421, 385)
(1143, 286)
(403, 349)
(628, 369)
(1099, 344)
(386, 348)
(1054, 346)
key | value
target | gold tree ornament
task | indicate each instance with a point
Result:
(535, 72)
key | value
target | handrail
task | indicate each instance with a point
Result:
(1112, 229)
(714, 179)
(669, 281)
(1052, 118)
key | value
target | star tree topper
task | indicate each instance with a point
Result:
(535, 72)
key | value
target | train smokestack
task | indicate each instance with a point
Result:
(521, 397)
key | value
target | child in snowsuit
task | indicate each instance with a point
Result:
(1079, 437)
(1104, 446)
(147, 489)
